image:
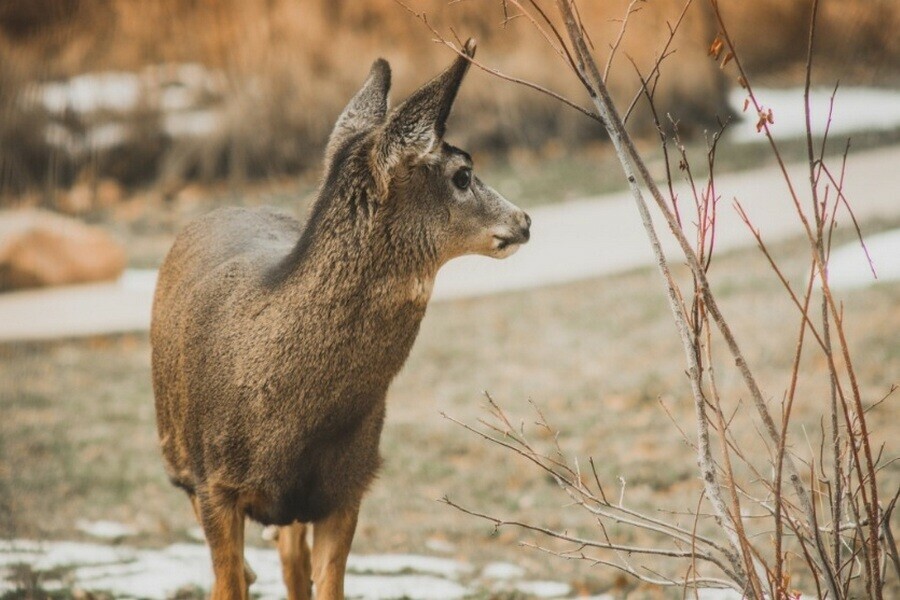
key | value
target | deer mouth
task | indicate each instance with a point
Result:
(502, 243)
(506, 245)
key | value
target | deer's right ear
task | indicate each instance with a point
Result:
(365, 110)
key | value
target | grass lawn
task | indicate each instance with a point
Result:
(78, 439)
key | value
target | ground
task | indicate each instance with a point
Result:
(78, 439)
(601, 358)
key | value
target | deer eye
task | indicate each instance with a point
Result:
(462, 178)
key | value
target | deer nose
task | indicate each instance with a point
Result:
(526, 228)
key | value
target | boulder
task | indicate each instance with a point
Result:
(39, 248)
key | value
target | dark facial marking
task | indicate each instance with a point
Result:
(453, 150)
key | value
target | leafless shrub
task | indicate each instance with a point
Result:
(287, 68)
(766, 521)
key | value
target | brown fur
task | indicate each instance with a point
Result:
(274, 344)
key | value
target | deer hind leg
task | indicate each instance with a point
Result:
(249, 574)
(295, 561)
(223, 524)
(332, 537)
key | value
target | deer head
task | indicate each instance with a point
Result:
(425, 188)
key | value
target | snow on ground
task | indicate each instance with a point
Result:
(855, 109)
(398, 563)
(544, 589)
(183, 94)
(106, 103)
(174, 86)
(156, 574)
(110, 530)
(440, 545)
(114, 91)
(502, 570)
(849, 268)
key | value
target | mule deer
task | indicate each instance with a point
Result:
(274, 344)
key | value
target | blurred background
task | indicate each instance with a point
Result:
(118, 95)
(121, 120)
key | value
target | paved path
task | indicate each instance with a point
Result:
(570, 241)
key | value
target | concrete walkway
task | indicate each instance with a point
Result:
(570, 241)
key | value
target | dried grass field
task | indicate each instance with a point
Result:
(265, 80)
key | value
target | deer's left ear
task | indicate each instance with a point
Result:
(416, 127)
(365, 111)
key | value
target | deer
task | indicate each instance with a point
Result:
(274, 344)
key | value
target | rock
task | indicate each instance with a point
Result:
(39, 248)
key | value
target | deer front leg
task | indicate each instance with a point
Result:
(332, 537)
(249, 574)
(295, 561)
(223, 524)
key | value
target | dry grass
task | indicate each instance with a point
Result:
(290, 66)
(77, 438)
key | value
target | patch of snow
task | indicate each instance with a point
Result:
(156, 574)
(43, 556)
(117, 91)
(855, 109)
(179, 87)
(439, 545)
(105, 529)
(153, 575)
(848, 267)
(180, 93)
(399, 563)
(544, 589)
(502, 570)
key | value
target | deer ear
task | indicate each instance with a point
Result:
(417, 126)
(365, 111)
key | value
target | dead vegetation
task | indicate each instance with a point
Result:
(799, 508)
(286, 66)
